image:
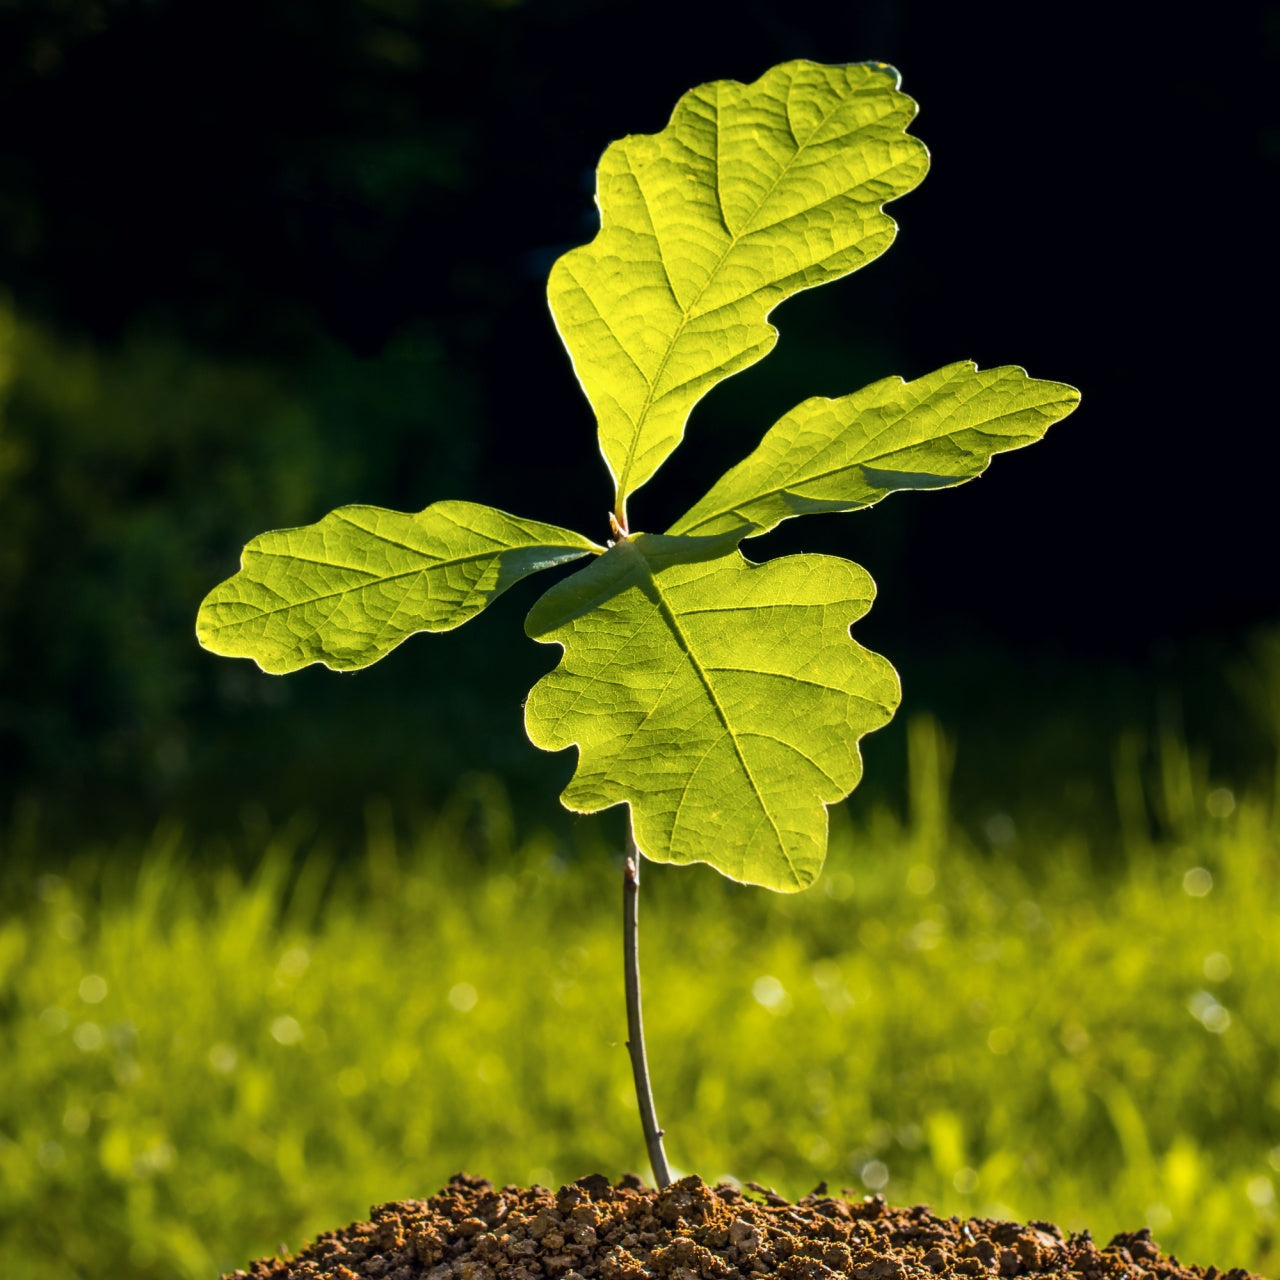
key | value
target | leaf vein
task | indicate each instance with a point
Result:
(791, 746)
(672, 621)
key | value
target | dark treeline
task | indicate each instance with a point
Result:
(262, 259)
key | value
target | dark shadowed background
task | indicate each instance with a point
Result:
(258, 260)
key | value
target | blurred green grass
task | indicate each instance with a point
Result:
(201, 1064)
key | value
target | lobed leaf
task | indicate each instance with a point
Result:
(751, 193)
(843, 454)
(346, 590)
(722, 700)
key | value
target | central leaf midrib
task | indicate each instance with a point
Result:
(686, 313)
(786, 486)
(670, 618)
(377, 580)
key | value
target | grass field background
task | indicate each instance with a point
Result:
(201, 1063)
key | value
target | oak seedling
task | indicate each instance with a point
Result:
(722, 700)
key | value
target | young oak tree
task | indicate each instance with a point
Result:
(720, 699)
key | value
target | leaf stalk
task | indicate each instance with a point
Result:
(635, 1020)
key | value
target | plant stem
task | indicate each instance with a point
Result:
(635, 1020)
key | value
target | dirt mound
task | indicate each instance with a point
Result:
(592, 1230)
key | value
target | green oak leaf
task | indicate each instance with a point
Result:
(751, 193)
(842, 454)
(346, 590)
(722, 700)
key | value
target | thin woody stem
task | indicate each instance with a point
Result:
(635, 1021)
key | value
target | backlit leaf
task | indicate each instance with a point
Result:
(346, 590)
(751, 193)
(723, 700)
(839, 455)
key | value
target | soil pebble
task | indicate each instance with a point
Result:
(597, 1230)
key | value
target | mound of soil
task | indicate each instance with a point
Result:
(592, 1230)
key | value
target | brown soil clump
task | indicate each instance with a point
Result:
(592, 1230)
